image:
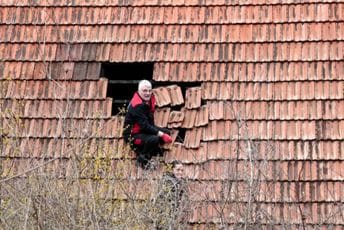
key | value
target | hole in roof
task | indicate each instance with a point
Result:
(184, 86)
(181, 135)
(123, 81)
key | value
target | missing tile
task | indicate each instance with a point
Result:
(123, 81)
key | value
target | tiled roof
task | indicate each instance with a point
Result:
(267, 97)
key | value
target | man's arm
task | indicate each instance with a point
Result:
(142, 119)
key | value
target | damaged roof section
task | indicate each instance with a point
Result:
(191, 116)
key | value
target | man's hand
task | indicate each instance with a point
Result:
(166, 138)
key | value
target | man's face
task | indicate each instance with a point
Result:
(145, 92)
(178, 171)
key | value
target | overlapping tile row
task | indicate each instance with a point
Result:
(157, 3)
(67, 128)
(268, 191)
(274, 130)
(52, 70)
(63, 168)
(221, 14)
(241, 33)
(276, 110)
(277, 91)
(279, 215)
(151, 3)
(272, 113)
(249, 72)
(196, 71)
(272, 150)
(51, 148)
(57, 108)
(131, 52)
(286, 171)
(51, 89)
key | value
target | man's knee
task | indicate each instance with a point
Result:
(152, 140)
(141, 141)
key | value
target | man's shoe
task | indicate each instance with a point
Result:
(160, 152)
(141, 162)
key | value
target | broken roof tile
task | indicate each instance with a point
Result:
(161, 116)
(175, 95)
(189, 117)
(175, 119)
(174, 125)
(162, 96)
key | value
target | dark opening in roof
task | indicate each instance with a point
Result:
(123, 81)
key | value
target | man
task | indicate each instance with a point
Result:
(171, 203)
(140, 131)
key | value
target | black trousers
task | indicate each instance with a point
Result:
(146, 146)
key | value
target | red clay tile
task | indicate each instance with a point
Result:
(27, 70)
(210, 132)
(161, 71)
(12, 70)
(115, 52)
(175, 94)
(75, 51)
(193, 98)
(189, 117)
(227, 91)
(195, 155)
(80, 71)
(202, 116)
(215, 150)
(216, 110)
(172, 72)
(93, 70)
(176, 117)
(161, 116)
(162, 96)
(174, 153)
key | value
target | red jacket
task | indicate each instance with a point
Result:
(139, 117)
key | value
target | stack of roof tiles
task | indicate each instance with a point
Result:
(269, 106)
